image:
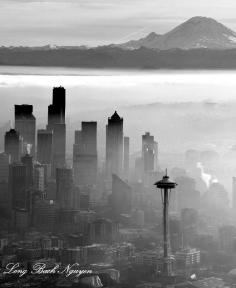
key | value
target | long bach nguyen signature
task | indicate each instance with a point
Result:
(41, 268)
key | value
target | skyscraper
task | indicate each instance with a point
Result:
(56, 111)
(114, 145)
(85, 154)
(121, 197)
(25, 124)
(4, 178)
(44, 146)
(45, 151)
(18, 186)
(126, 157)
(149, 152)
(13, 145)
(27, 160)
(64, 190)
(4, 167)
(45, 215)
(39, 181)
(56, 124)
(59, 145)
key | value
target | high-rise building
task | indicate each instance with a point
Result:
(65, 187)
(47, 172)
(126, 157)
(45, 215)
(13, 145)
(44, 146)
(149, 159)
(25, 124)
(114, 145)
(5, 200)
(85, 154)
(45, 151)
(149, 152)
(56, 111)
(39, 181)
(4, 167)
(56, 124)
(4, 177)
(121, 197)
(18, 186)
(59, 145)
(27, 160)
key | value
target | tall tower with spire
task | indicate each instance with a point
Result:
(165, 185)
(114, 145)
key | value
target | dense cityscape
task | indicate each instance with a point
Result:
(124, 223)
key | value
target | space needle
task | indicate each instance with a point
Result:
(165, 185)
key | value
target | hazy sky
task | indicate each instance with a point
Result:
(95, 22)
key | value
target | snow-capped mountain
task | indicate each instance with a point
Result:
(197, 32)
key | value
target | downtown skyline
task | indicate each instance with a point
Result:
(117, 160)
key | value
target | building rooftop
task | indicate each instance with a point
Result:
(115, 117)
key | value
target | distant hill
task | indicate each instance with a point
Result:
(114, 57)
(149, 42)
(197, 32)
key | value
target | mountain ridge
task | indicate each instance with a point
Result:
(196, 32)
(198, 43)
(118, 58)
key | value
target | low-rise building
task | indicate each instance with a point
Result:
(187, 257)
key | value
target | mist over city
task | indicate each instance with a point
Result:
(78, 168)
(117, 144)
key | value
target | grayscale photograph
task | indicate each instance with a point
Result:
(117, 144)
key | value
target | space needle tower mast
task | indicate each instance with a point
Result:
(165, 185)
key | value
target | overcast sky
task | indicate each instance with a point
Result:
(95, 22)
